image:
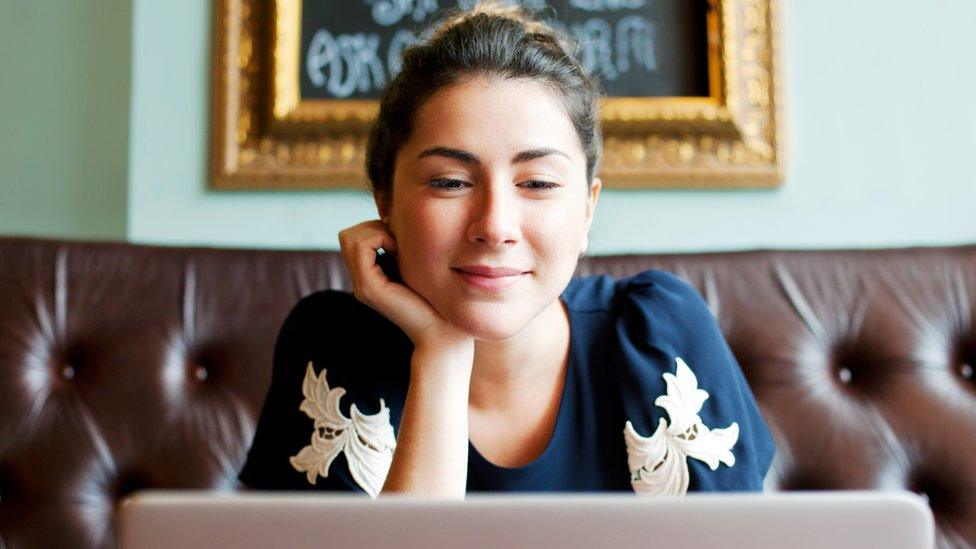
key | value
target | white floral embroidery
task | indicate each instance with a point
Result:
(659, 465)
(367, 440)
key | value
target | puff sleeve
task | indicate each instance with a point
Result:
(328, 419)
(692, 423)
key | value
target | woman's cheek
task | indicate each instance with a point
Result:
(424, 252)
(559, 233)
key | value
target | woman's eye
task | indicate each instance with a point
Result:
(449, 184)
(539, 185)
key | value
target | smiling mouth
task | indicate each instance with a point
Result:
(489, 279)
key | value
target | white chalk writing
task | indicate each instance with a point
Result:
(595, 39)
(600, 44)
(400, 41)
(635, 35)
(351, 62)
(390, 12)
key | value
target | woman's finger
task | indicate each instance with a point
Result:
(359, 246)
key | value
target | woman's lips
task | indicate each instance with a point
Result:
(491, 279)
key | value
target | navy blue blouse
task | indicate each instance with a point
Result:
(630, 339)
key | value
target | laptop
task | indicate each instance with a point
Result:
(798, 520)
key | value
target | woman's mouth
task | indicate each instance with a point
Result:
(490, 279)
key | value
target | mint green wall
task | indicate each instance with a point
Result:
(64, 114)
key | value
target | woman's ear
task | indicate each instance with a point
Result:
(591, 201)
(382, 206)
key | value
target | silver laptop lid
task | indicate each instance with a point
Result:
(830, 520)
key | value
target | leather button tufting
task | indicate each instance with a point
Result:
(844, 375)
(966, 371)
(201, 373)
(68, 372)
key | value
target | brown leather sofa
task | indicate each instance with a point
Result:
(125, 367)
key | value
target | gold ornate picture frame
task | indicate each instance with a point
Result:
(264, 136)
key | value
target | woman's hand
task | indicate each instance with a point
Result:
(397, 302)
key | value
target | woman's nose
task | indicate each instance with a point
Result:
(495, 220)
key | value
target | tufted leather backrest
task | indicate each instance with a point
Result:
(125, 367)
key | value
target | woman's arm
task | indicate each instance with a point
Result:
(431, 456)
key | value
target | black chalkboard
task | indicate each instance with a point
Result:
(637, 48)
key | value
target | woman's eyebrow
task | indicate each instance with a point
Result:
(457, 154)
(470, 158)
(532, 154)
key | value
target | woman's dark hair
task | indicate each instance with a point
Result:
(489, 41)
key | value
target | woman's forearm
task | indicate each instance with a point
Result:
(431, 456)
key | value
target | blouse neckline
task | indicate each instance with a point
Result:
(569, 384)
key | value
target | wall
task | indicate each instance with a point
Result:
(64, 110)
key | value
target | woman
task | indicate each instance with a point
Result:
(469, 358)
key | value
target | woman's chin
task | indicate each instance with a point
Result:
(488, 326)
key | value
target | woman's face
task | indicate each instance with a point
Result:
(490, 206)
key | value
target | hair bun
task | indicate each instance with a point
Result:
(497, 8)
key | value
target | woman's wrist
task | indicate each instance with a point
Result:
(432, 445)
(451, 358)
